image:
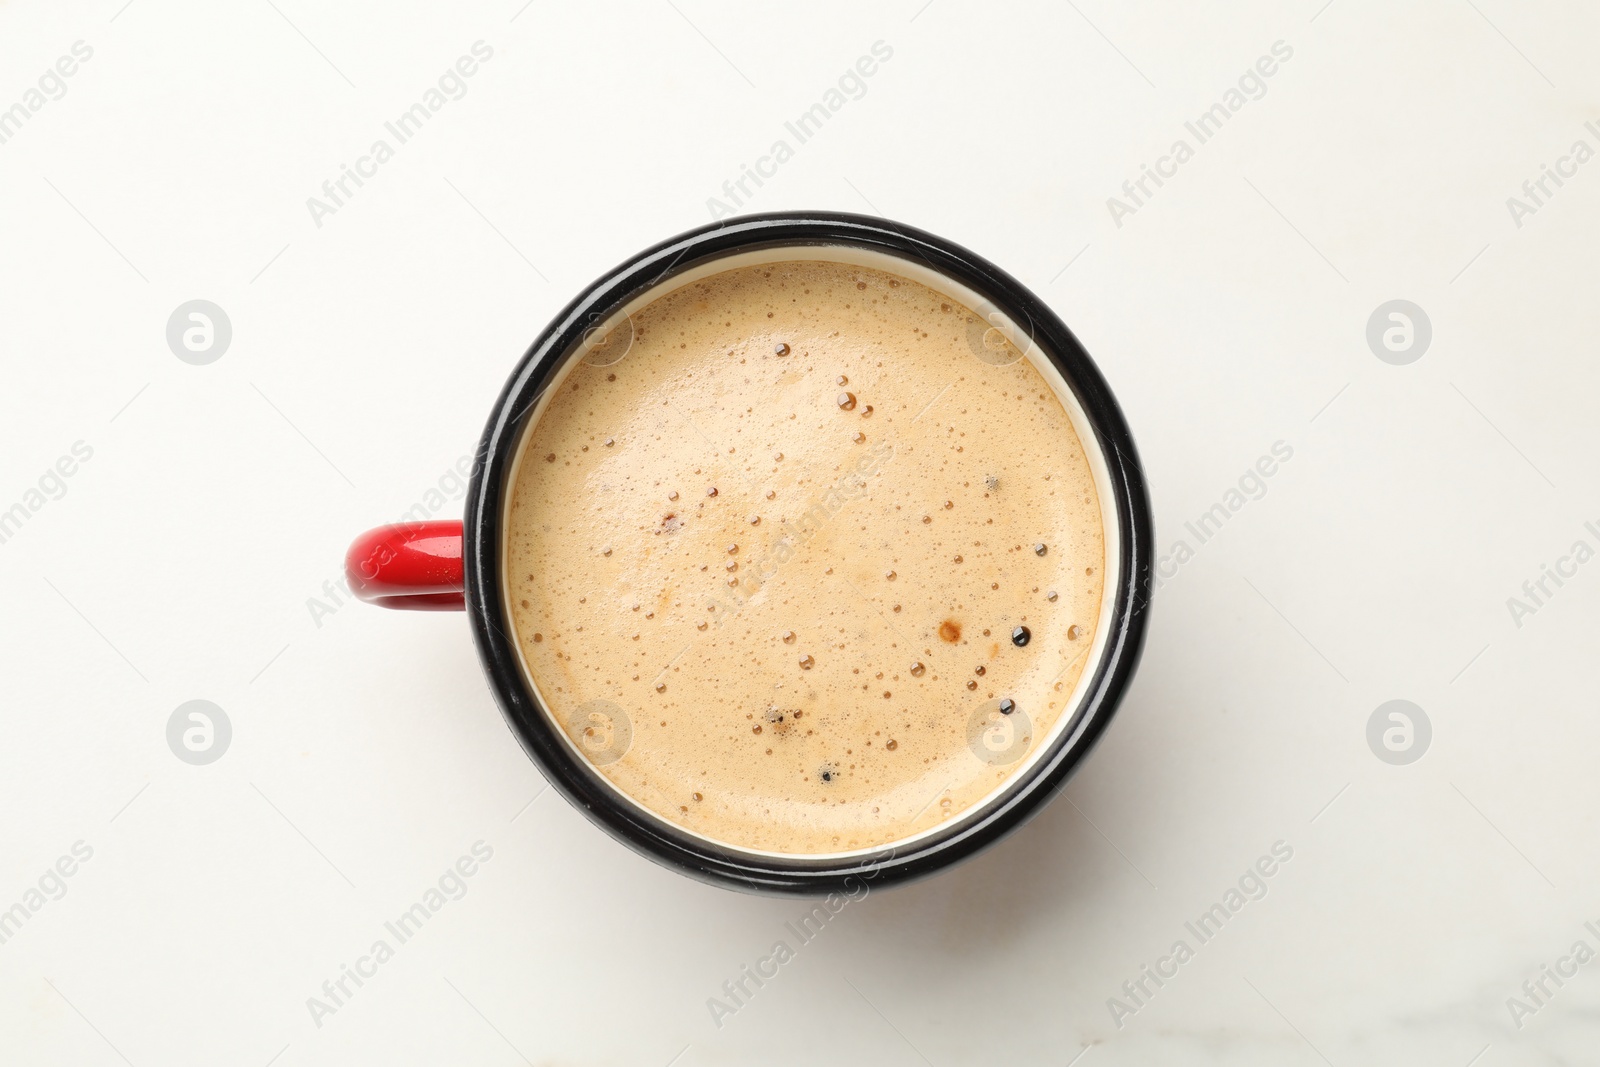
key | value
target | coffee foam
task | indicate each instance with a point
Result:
(758, 598)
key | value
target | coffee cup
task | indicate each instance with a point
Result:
(786, 803)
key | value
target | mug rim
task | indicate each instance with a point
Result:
(587, 789)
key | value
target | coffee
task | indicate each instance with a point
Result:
(805, 557)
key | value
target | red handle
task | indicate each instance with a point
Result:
(414, 565)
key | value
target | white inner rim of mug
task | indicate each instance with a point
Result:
(985, 309)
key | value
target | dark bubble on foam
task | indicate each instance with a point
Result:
(1020, 636)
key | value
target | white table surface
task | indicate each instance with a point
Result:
(1229, 313)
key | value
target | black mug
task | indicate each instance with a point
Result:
(445, 565)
